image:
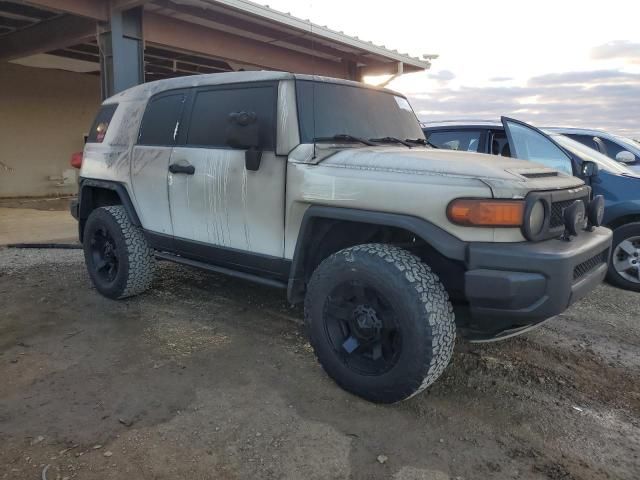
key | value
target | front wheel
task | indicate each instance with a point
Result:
(624, 269)
(380, 322)
(118, 258)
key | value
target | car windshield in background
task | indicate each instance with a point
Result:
(328, 109)
(586, 153)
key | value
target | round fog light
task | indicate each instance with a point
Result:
(574, 217)
(595, 212)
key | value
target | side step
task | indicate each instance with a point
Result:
(214, 268)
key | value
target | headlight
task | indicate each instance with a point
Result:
(536, 218)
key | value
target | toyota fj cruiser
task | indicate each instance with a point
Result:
(327, 188)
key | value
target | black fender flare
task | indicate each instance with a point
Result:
(85, 201)
(443, 242)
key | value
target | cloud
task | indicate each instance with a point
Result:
(605, 99)
(581, 78)
(619, 49)
(442, 75)
(500, 79)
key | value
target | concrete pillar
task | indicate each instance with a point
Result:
(121, 51)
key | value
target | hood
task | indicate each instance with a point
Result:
(500, 173)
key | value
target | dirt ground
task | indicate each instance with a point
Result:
(207, 377)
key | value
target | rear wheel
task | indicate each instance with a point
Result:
(624, 269)
(380, 322)
(118, 258)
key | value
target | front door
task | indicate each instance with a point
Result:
(220, 211)
(528, 143)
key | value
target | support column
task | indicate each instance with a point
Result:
(352, 72)
(121, 51)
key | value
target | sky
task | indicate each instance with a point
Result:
(565, 63)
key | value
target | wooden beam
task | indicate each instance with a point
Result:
(191, 37)
(54, 34)
(95, 9)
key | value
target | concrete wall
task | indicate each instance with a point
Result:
(43, 116)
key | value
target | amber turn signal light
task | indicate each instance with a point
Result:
(486, 213)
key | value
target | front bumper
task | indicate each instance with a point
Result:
(514, 286)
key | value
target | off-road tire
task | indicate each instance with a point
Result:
(427, 322)
(620, 234)
(136, 263)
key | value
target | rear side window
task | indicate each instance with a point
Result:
(101, 123)
(161, 120)
(465, 140)
(211, 109)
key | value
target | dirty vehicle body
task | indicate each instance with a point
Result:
(618, 184)
(326, 188)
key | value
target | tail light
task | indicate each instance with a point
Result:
(76, 160)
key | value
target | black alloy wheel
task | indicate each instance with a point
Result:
(361, 326)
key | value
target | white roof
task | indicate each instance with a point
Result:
(144, 91)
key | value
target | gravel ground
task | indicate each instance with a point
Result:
(210, 377)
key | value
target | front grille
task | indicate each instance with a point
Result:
(585, 267)
(557, 211)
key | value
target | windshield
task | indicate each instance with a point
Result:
(586, 153)
(329, 109)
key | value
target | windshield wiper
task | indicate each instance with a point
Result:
(344, 137)
(391, 140)
(421, 141)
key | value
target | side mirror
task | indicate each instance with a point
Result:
(589, 169)
(243, 133)
(625, 157)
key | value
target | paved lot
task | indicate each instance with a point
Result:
(38, 220)
(209, 377)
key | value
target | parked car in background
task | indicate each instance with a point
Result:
(621, 149)
(619, 185)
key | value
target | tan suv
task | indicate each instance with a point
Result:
(328, 189)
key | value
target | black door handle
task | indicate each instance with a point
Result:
(186, 169)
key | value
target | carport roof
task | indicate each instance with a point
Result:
(300, 28)
(66, 28)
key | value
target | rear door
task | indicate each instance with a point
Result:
(529, 143)
(150, 159)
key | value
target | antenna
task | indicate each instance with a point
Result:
(313, 82)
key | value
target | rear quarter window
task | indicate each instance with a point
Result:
(101, 123)
(161, 120)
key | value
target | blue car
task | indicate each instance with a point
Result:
(619, 185)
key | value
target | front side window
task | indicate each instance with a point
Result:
(329, 109)
(212, 108)
(612, 148)
(465, 140)
(529, 144)
(101, 123)
(586, 153)
(161, 119)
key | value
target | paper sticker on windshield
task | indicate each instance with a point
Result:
(403, 104)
